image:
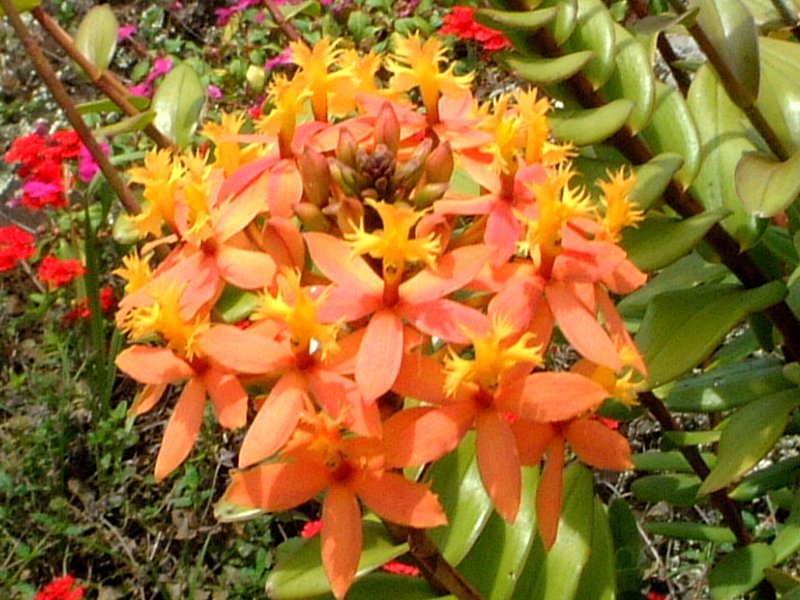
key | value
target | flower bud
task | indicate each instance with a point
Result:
(344, 176)
(430, 193)
(311, 216)
(316, 176)
(409, 173)
(256, 78)
(347, 148)
(387, 128)
(440, 164)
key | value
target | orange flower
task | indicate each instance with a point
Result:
(319, 457)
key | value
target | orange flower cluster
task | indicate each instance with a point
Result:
(393, 306)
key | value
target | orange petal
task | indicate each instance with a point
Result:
(341, 538)
(243, 351)
(229, 398)
(152, 365)
(581, 327)
(284, 243)
(446, 319)
(421, 377)
(418, 435)
(275, 421)
(245, 176)
(182, 428)
(246, 269)
(202, 286)
(549, 495)
(380, 354)
(503, 230)
(532, 440)
(236, 214)
(453, 271)
(148, 397)
(348, 304)
(277, 486)
(559, 396)
(598, 446)
(335, 259)
(498, 462)
(340, 398)
(617, 328)
(396, 499)
(285, 188)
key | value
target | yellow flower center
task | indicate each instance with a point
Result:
(620, 212)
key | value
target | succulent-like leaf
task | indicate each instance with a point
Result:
(516, 20)
(598, 579)
(653, 177)
(781, 474)
(495, 562)
(97, 33)
(586, 127)
(682, 328)
(566, 19)
(659, 241)
(689, 530)
(750, 433)
(732, 31)
(127, 125)
(457, 481)
(767, 186)
(594, 31)
(178, 102)
(546, 71)
(108, 106)
(656, 460)
(779, 96)
(672, 129)
(396, 587)
(740, 571)
(725, 139)
(679, 489)
(628, 546)
(301, 575)
(235, 305)
(632, 79)
(728, 387)
(22, 6)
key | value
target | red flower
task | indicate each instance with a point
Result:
(311, 529)
(399, 568)
(461, 23)
(108, 302)
(15, 245)
(59, 273)
(61, 589)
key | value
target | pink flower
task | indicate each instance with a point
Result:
(59, 273)
(125, 32)
(161, 66)
(284, 58)
(224, 14)
(214, 92)
(87, 167)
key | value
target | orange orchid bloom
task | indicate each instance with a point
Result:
(181, 360)
(281, 347)
(359, 292)
(593, 442)
(481, 393)
(320, 457)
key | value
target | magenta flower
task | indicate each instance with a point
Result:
(214, 92)
(87, 167)
(161, 66)
(125, 32)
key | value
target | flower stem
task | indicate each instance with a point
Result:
(45, 70)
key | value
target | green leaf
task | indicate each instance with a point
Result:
(127, 125)
(455, 478)
(22, 6)
(779, 95)
(690, 271)
(396, 587)
(495, 562)
(688, 530)
(749, 435)
(725, 139)
(228, 512)
(672, 129)
(682, 328)
(628, 546)
(598, 579)
(503, 20)
(782, 582)
(679, 489)
(594, 31)
(235, 305)
(565, 21)
(728, 387)
(732, 31)
(108, 106)
(740, 571)
(555, 575)
(301, 574)
(546, 71)
(782, 474)
(767, 186)
(586, 127)
(96, 38)
(178, 102)
(659, 241)
(691, 438)
(358, 24)
(632, 79)
(653, 177)
(673, 460)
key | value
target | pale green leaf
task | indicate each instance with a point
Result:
(653, 177)
(586, 127)
(750, 433)
(22, 6)
(178, 102)
(767, 186)
(566, 19)
(594, 31)
(546, 71)
(598, 579)
(515, 20)
(97, 33)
